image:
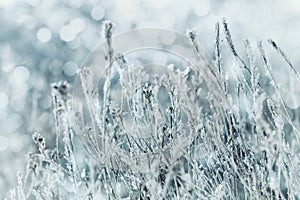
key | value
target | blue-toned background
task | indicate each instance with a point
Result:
(43, 41)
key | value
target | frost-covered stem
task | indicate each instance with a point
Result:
(269, 73)
(254, 75)
(58, 108)
(108, 30)
(231, 45)
(69, 147)
(237, 57)
(86, 78)
(279, 50)
(192, 37)
(254, 84)
(123, 65)
(57, 124)
(217, 47)
(218, 60)
(20, 190)
(63, 109)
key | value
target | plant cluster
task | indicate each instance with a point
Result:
(173, 135)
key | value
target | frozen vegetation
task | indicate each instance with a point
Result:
(180, 132)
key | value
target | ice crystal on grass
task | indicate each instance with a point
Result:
(170, 132)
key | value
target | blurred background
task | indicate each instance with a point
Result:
(44, 41)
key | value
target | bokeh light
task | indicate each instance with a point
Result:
(44, 35)
(44, 41)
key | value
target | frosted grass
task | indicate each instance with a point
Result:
(169, 136)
